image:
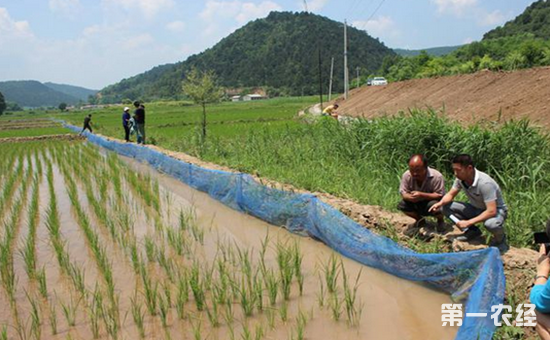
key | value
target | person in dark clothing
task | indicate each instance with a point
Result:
(139, 115)
(125, 123)
(87, 124)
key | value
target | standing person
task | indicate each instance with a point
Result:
(485, 203)
(126, 123)
(139, 116)
(420, 188)
(331, 111)
(87, 124)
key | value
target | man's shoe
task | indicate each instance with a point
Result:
(470, 234)
(502, 245)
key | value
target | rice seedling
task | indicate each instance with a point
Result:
(259, 332)
(353, 311)
(4, 332)
(335, 304)
(69, 311)
(229, 315)
(151, 292)
(213, 314)
(246, 297)
(53, 319)
(246, 333)
(283, 311)
(270, 314)
(197, 286)
(196, 327)
(150, 249)
(36, 323)
(332, 270)
(111, 321)
(321, 293)
(286, 270)
(182, 295)
(163, 311)
(138, 315)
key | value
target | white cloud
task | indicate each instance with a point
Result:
(176, 26)
(235, 12)
(315, 5)
(494, 18)
(382, 27)
(149, 8)
(66, 7)
(12, 30)
(456, 7)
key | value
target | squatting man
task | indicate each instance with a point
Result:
(485, 203)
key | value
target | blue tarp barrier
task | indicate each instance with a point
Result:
(475, 278)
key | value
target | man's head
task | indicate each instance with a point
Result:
(90, 115)
(463, 167)
(137, 103)
(126, 109)
(336, 106)
(418, 167)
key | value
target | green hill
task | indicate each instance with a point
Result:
(279, 53)
(534, 20)
(434, 51)
(74, 91)
(31, 93)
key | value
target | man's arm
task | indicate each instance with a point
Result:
(448, 198)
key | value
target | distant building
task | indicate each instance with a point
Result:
(236, 98)
(253, 96)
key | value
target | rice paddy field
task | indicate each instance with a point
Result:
(94, 246)
(362, 161)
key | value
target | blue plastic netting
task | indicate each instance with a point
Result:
(475, 278)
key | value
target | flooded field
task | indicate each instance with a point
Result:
(94, 246)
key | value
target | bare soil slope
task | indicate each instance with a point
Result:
(466, 98)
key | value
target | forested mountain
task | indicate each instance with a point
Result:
(75, 91)
(279, 52)
(31, 93)
(534, 20)
(434, 51)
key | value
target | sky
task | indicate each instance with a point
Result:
(95, 43)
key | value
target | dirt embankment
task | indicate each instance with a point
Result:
(466, 98)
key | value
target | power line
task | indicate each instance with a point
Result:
(373, 13)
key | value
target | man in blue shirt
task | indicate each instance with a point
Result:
(125, 123)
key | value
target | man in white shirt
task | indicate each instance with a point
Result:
(485, 203)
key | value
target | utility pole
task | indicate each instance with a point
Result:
(346, 80)
(357, 68)
(330, 82)
(320, 79)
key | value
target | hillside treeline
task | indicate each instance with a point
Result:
(506, 53)
(279, 53)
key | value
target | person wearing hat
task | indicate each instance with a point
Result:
(125, 123)
(540, 293)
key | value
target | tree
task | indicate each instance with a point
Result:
(2, 104)
(201, 87)
(62, 106)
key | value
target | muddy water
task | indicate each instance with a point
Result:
(392, 308)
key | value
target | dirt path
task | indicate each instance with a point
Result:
(466, 98)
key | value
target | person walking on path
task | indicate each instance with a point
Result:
(485, 203)
(126, 123)
(87, 124)
(139, 116)
(421, 187)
